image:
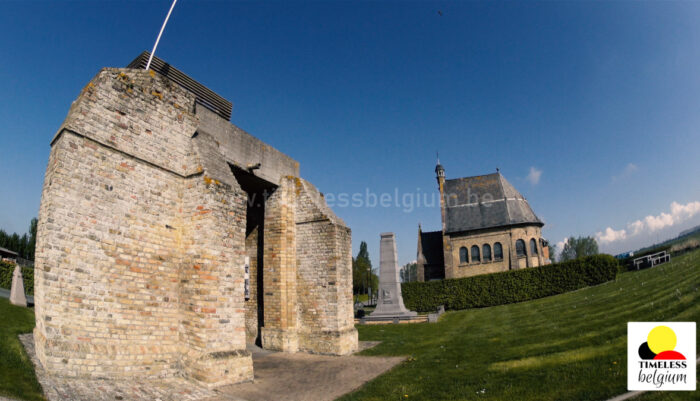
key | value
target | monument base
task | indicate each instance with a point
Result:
(393, 314)
(390, 304)
(329, 342)
(219, 368)
(280, 340)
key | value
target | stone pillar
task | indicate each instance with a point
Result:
(390, 303)
(280, 271)
(512, 254)
(212, 283)
(17, 296)
(324, 276)
(420, 259)
(528, 262)
(447, 256)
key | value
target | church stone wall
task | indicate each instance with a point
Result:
(141, 245)
(507, 238)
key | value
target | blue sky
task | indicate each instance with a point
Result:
(601, 98)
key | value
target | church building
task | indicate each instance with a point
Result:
(487, 227)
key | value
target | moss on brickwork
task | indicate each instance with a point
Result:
(140, 255)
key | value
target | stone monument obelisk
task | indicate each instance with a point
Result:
(17, 296)
(390, 303)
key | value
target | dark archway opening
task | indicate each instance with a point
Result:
(258, 191)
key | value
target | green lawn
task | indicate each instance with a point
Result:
(567, 347)
(17, 377)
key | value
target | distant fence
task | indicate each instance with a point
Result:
(25, 262)
(651, 260)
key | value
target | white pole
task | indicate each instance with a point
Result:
(162, 28)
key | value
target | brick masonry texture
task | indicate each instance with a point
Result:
(142, 239)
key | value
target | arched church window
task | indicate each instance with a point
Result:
(463, 255)
(533, 247)
(475, 254)
(497, 251)
(486, 252)
(520, 248)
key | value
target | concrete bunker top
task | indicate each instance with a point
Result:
(182, 119)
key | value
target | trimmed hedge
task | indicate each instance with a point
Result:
(509, 286)
(6, 270)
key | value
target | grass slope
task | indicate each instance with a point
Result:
(17, 377)
(566, 347)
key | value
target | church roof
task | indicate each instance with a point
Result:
(484, 201)
(431, 248)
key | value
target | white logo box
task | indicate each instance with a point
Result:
(661, 376)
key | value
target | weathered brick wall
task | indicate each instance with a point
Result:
(107, 258)
(211, 282)
(308, 274)
(139, 113)
(142, 239)
(324, 275)
(106, 268)
(279, 283)
(126, 215)
(251, 305)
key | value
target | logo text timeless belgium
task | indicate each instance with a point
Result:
(661, 356)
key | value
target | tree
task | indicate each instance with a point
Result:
(364, 277)
(3, 239)
(575, 248)
(409, 272)
(359, 275)
(24, 245)
(31, 246)
(552, 252)
(14, 243)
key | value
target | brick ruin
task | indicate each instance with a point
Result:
(152, 204)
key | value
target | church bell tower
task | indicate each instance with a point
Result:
(440, 175)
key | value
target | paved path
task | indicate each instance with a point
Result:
(302, 377)
(278, 376)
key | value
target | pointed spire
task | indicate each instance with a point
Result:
(439, 170)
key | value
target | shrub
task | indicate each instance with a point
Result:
(6, 270)
(510, 286)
